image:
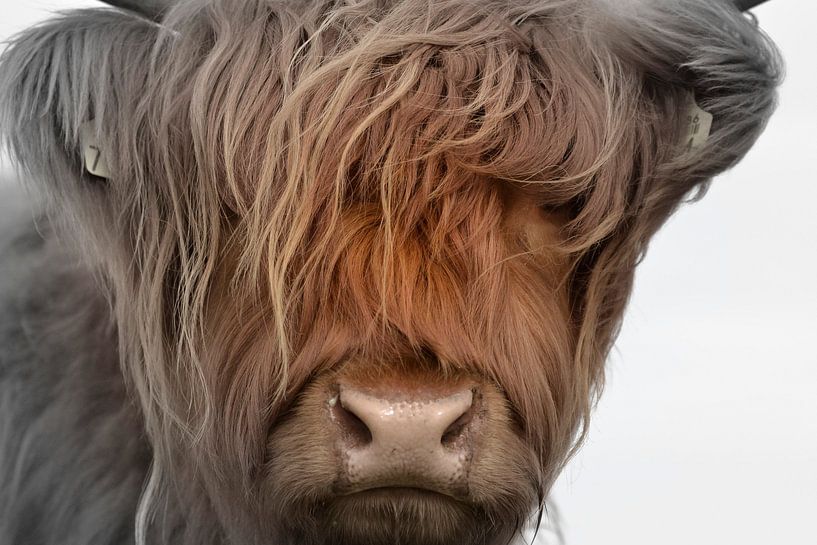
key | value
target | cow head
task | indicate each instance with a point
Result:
(367, 258)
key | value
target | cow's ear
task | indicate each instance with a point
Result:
(68, 89)
(700, 61)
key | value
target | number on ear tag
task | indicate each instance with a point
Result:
(93, 156)
(699, 125)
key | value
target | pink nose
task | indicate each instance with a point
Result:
(402, 440)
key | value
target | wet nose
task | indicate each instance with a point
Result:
(399, 439)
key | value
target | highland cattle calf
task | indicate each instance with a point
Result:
(337, 272)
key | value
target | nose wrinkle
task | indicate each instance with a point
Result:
(406, 447)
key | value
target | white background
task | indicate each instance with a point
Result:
(707, 432)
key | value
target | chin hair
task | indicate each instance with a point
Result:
(415, 517)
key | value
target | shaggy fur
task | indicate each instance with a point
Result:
(302, 190)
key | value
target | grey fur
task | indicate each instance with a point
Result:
(73, 454)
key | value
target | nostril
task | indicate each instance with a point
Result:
(454, 434)
(355, 431)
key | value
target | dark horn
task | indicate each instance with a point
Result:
(746, 5)
(152, 9)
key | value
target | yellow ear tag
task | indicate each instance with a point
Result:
(699, 125)
(93, 156)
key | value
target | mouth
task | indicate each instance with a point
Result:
(398, 494)
(399, 497)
